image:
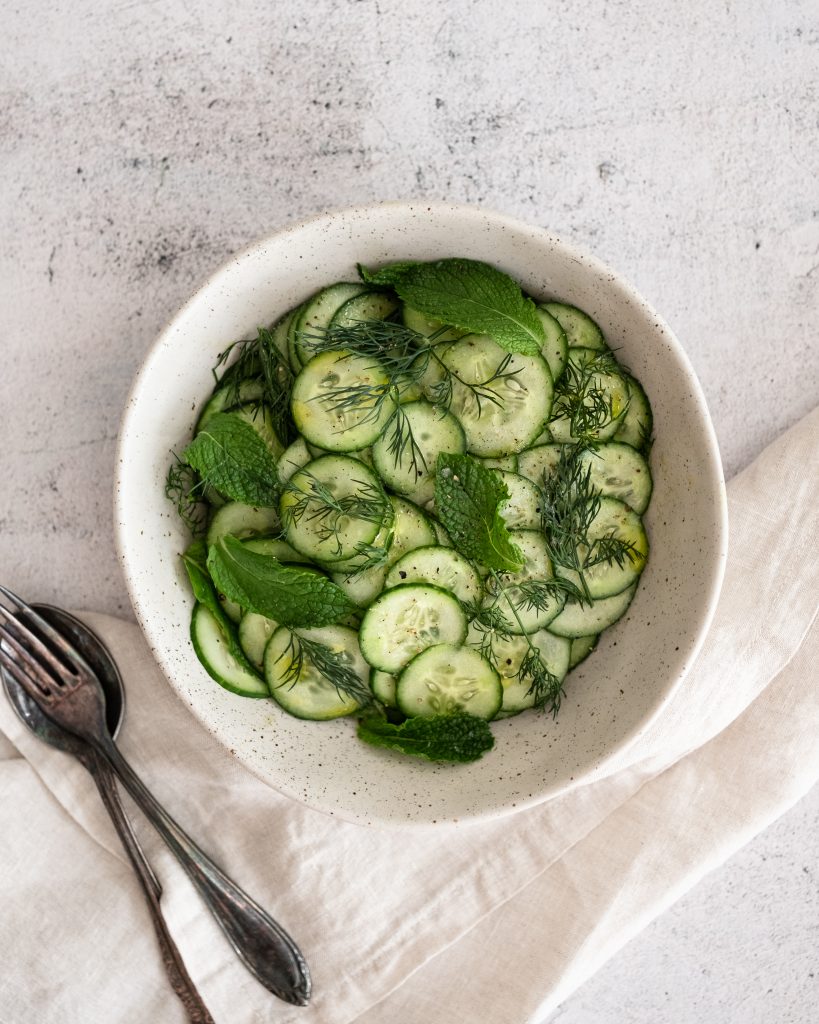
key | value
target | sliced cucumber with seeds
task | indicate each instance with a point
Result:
(610, 576)
(297, 685)
(637, 424)
(582, 646)
(228, 397)
(350, 524)
(366, 306)
(440, 566)
(280, 332)
(584, 619)
(538, 463)
(508, 463)
(406, 453)
(429, 328)
(507, 655)
(619, 471)
(406, 620)
(241, 521)
(317, 314)
(293, 457)
(521, 615)
(579, 327)
(521, 510)
(383, 686)
(276, 548)
(212, 650)
(320, 401)
(519, 389)
(555, 348)
(604, 379)
(448, 678)
(254, 633)
(411, 530)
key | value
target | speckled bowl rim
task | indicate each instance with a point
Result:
(713, 481)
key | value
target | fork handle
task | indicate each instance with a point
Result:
(175, 968)
(263, 945)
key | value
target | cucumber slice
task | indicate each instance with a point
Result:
(448, 678)
(280, 332)
(332, 508)
(599, 369)
(522, 616)
(521, 396)
(582, 646)
(322, 407)
(406, 620)
(521, 510)
(442, 538)
(317, 314)
(241, 521)
(555, 348)
(254, 633)
(367, 305)
(312, 695)
(440, 566)
(619, 471)
(293, 354)
(508, 463)
(229, 396)
(406, 453)
(276, 548)
(411, 530)
(212, 650)
(579, 327)
(638, 422)
(293, 457)
(420, 324)
(507, 654)
(383, 686)
(538, 463)
(584, 619)
(607, 578)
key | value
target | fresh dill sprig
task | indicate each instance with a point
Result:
(579, 399)
(185, 488)
(405, 357)
(319, 506)
(492, 624)
(259, 362)
(569, 504)
(332, 665)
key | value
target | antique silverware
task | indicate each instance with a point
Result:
(47, 730)
(59, 679)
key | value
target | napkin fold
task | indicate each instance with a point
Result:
(497, 921)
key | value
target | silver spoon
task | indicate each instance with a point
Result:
(45, 729)
(60, 680)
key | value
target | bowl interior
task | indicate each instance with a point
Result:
(610, 698)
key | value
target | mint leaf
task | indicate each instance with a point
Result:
(195, 562)
(292, 596)
(386, 276)
(472, 296)
(231, 456)
(457, 738)
(467, 501)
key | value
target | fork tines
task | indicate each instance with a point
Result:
(25, 654)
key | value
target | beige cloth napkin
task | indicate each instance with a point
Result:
(496, 922)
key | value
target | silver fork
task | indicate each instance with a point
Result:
(57, 677)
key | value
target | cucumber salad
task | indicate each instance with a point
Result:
(416, 499)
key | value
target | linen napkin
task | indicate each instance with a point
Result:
(496, 922)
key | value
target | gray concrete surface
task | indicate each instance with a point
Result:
(141, 143)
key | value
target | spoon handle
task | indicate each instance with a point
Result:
(263, 946)
(175, 969)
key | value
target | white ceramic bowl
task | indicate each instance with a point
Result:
(610, 699)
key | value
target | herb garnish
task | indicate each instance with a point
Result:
(458, 738)
(470, 295)
(330, 664)
(230, 455)
(290, 595)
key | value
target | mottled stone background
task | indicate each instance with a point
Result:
(141, 143)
